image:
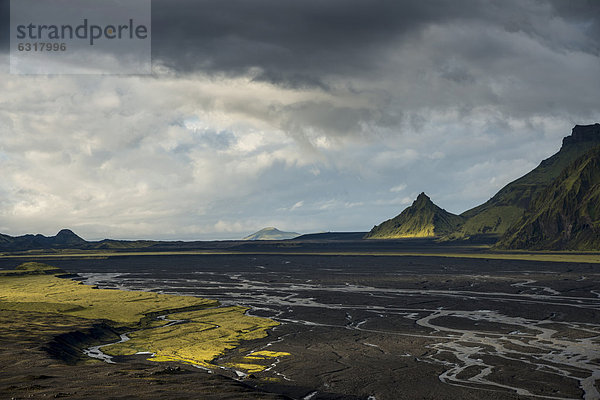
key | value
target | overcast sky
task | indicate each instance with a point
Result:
(307, 115)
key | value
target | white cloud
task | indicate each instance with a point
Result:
(398, 188)
(297, 205)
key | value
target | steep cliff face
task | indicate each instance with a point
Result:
(422, 219)
(582, 134)
(566, 215)
(504, 209)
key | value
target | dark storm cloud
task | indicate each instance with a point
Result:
(586, 12)
(293, 42)
(300, 42)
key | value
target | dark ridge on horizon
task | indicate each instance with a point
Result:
(65, 238)
(331, 236)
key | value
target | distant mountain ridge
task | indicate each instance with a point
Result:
(271, 233)
(63, 239)
(422, 219)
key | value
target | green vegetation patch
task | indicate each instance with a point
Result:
(198, 338)
(257, 361)
(32, 268)
(22, 292)
(203, 330)
(490, 221)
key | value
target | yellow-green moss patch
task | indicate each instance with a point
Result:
(249, 368)
(268, 354)
(257, 361)
(203, 333)
(52, 294)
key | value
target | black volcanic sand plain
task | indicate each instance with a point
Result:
(355, 327)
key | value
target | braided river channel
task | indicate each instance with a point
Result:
(393, 327)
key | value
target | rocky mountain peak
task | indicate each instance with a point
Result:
(583, 133)
(422, 200)
(422, 219)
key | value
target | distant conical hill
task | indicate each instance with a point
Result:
(68, 237)
(566, 215)
(422, 219)
(504, 209)
(271, 233)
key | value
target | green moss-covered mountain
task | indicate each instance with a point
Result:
(271, 233)
(422, 219)
(555, 206)
(566, 215)
(506, 208)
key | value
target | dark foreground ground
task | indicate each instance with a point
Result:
(357, 327)
(34, 365)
